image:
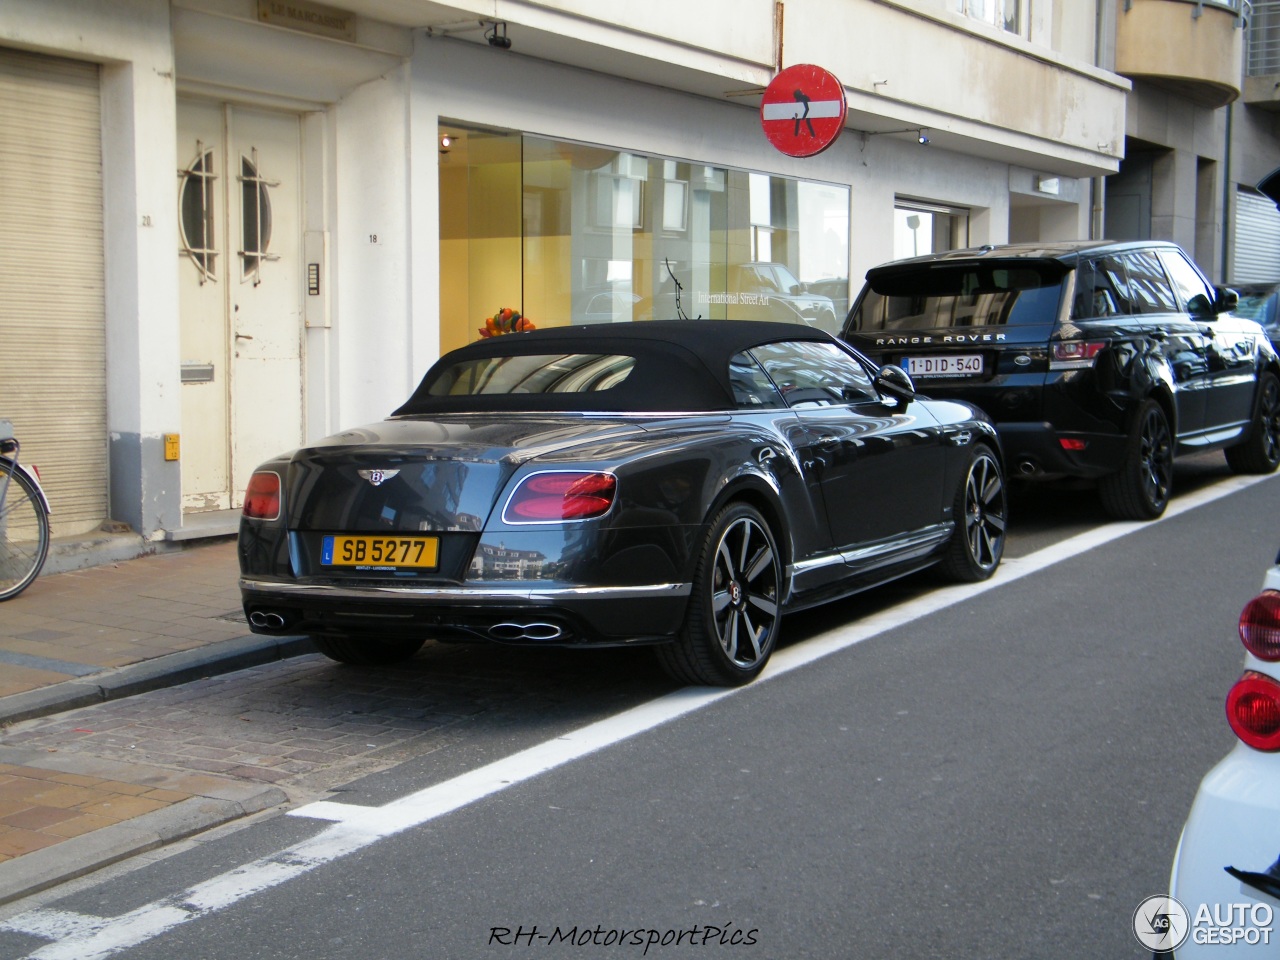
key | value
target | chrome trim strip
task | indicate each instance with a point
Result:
(916, 540)
(911, 541)
(466, 594)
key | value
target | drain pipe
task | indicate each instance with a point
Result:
(1227, 239)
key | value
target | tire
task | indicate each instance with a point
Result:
(981, 513)
(24, 532)
(1139, 490)
(362, 652)
(1260, 452)
(731, 625)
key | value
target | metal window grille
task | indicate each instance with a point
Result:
(255, 218)
(196, 213)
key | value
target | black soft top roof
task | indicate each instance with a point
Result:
(681, 365)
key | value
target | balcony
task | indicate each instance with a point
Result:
(1194, 48)
(1262, 79)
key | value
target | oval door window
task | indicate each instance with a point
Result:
(195, 212)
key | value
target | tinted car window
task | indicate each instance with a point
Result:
(815, 374)
(752, 388)
(1102, 289)
(537, 373)
(1196, 293)
(969, 295)
(1148, 284)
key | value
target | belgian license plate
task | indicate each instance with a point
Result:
(402, 552)
(949, 365)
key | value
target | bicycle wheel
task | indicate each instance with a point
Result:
(24, 532)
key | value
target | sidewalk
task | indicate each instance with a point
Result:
(84, 637)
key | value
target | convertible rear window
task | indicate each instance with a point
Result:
(960, 295)
(533, 373)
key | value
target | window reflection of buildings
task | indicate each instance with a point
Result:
(498, 562)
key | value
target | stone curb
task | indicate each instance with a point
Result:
(50, 866)
(166, 671)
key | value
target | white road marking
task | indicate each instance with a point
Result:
(83, 937)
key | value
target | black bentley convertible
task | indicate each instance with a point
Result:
(676, 483)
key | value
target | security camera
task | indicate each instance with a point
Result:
(924, 137)
(497, 36)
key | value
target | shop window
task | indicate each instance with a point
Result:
(600, 235)
(195, 213)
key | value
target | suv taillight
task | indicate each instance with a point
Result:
(1073, 354)
(1260, 626)
(1253, 711)
(262, 498)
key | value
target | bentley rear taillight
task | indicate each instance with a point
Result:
(561, 495)
(1253, 710)
(262, 498)
(1260, 626)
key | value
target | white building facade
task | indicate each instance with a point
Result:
(228, 227)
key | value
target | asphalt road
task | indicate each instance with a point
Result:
(994, 773)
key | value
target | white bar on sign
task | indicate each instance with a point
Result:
(790, 111)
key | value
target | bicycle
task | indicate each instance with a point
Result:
(24, 519)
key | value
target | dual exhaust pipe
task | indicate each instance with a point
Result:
(266, 620)
(526, 631)
(508, 632)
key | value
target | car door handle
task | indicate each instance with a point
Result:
(817, 463)
(827, 442)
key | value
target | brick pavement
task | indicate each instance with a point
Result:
(121, 728)
(85, 636)
(77, 624)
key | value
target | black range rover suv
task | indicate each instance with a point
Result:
(1097, 360)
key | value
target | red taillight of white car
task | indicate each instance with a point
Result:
(262, 498)
(1253, 710)
(561, 495)
(1260, 626)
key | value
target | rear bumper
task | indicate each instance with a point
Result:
(553, 614)
(1035, 450)
(1234, 822)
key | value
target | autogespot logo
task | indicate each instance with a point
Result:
(1161, 923)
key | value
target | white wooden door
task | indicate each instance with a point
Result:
(241, 296)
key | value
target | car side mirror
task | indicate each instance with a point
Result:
(1228, 299)
(895, 382)
(1199, 306)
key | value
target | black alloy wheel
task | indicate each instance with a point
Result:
(981, 513)
(1260, 452)
(731, 626)
(1140, 489)
(364, 652)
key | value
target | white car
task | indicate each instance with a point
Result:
(1226, 874)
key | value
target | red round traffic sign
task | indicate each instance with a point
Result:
(802, 110)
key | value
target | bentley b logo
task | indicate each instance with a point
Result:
(376, 477)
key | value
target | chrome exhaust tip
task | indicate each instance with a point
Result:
(268, 621)
(525, 631)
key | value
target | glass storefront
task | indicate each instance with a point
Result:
(569, 233)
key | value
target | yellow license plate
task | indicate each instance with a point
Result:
(412, 552)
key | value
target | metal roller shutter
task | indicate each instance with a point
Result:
(1256, 244)
(52, 318)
